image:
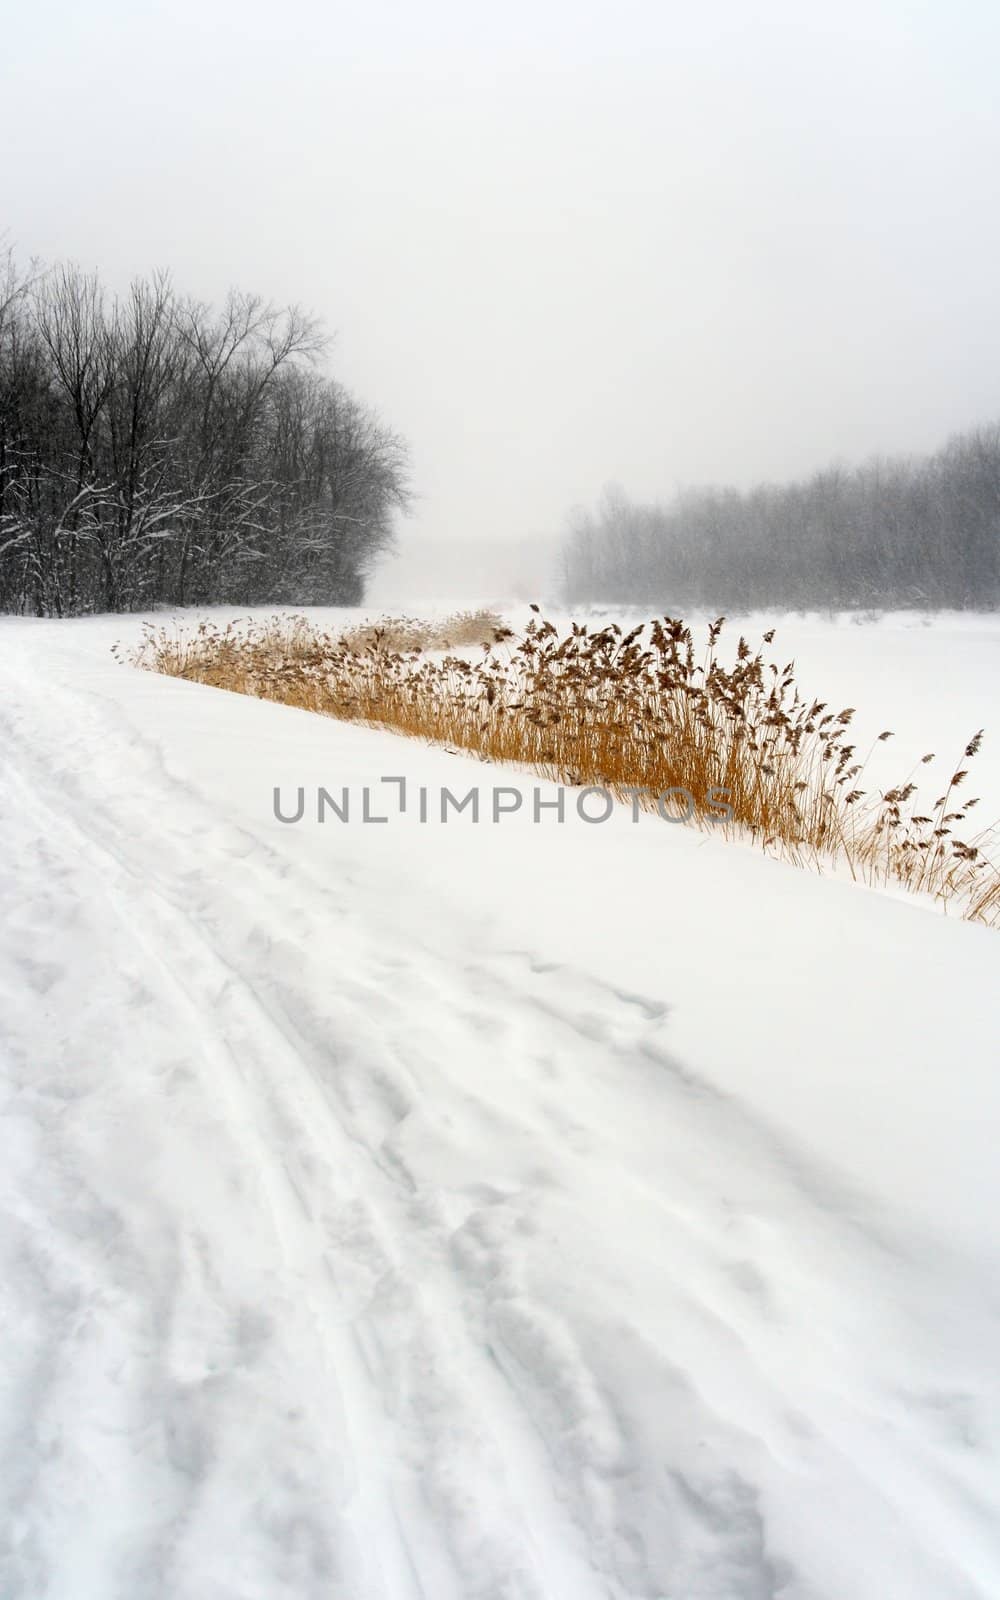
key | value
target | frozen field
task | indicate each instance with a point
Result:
(506, 1211)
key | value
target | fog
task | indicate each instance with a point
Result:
(559, 245)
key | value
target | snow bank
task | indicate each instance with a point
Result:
(523, 1210)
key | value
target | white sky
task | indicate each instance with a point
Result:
(559, 243)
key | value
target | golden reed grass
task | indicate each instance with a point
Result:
(454, 632)
(636, 711)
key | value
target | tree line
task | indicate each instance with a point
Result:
(921, 532)
(156, 451)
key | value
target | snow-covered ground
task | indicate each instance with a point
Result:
(479, 1212)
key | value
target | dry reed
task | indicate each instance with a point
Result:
(455, 632)
(640, 711)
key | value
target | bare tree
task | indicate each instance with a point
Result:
(153, 450)
(922, 532)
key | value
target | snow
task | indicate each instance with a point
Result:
(478, 1211)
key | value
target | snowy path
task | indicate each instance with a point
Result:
(366, 1235)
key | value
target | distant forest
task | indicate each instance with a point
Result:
(153, 450)
(920, 532)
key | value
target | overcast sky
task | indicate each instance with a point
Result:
(560, 243)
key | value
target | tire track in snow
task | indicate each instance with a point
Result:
(163, 932)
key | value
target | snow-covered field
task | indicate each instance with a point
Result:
(506, 1211)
